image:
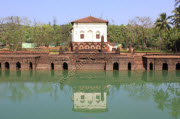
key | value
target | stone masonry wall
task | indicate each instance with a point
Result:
(84, 61)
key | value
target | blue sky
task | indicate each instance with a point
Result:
(116, 11)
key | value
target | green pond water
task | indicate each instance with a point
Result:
(89, 95)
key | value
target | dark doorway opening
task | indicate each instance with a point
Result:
(18, 65)
(65, 66)
(129, 66)
(6, 65)
(52, 66)
(105, 67)
(116, 66)
(165, 66)
(30, 65)
(0, 65)
(178, 66)
(151, 66)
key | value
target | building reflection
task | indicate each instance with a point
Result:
(92, 99)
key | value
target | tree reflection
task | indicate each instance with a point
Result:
(163, 89)
(161, 98)
(174, 107)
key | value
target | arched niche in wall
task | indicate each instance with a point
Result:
(115, 66)
(7, 66)
(30, 65)
(18, 65)
(164, 66)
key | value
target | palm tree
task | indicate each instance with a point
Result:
(162, 24)
(177, 2)
(157, 25)
(175, 19)
(161, 98)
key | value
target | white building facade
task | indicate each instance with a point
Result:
(92, 32)
(89, 33)
(90, 101)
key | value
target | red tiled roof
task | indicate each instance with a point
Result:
(90, 19)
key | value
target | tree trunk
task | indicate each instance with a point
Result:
(144, 44)
(6, 41)
(160, 40)
(175, 49)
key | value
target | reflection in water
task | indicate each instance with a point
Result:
(129, 74)
(18, 73)
(7, 73)
(89, 98)
(52, 73)
(93, 92)
(31, 73)
(178, 73)
(165, 73)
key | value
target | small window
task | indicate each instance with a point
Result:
(82, 96)
(97, 36)
(82, 36)
(82, 100)
(97, 97)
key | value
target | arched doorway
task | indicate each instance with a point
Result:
(65, 66)
(52, 66)
(90, 36)
(151, 66)
(129, 66)
(165, 66)
(6, 65)
(116, 66)
(178, 66)
(30, 65)
(18, 65)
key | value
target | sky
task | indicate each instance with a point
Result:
(115, 11)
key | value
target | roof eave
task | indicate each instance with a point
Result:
(90, 22)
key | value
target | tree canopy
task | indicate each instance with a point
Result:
(141, 32)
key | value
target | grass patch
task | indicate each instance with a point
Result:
(124, 51)
(148, 51)
(54, 53)
(154, 51)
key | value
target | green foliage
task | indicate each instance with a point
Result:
(15, 30)
(140, 32)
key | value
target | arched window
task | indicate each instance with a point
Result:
(129, 66)
(90, 36)
(97, 35)
(6, 65)
(82, 35)
(52, 66)
(116, 66)
(30, 65)
(151, 66)
(18, 65)
(65, 66)
(165, 66)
